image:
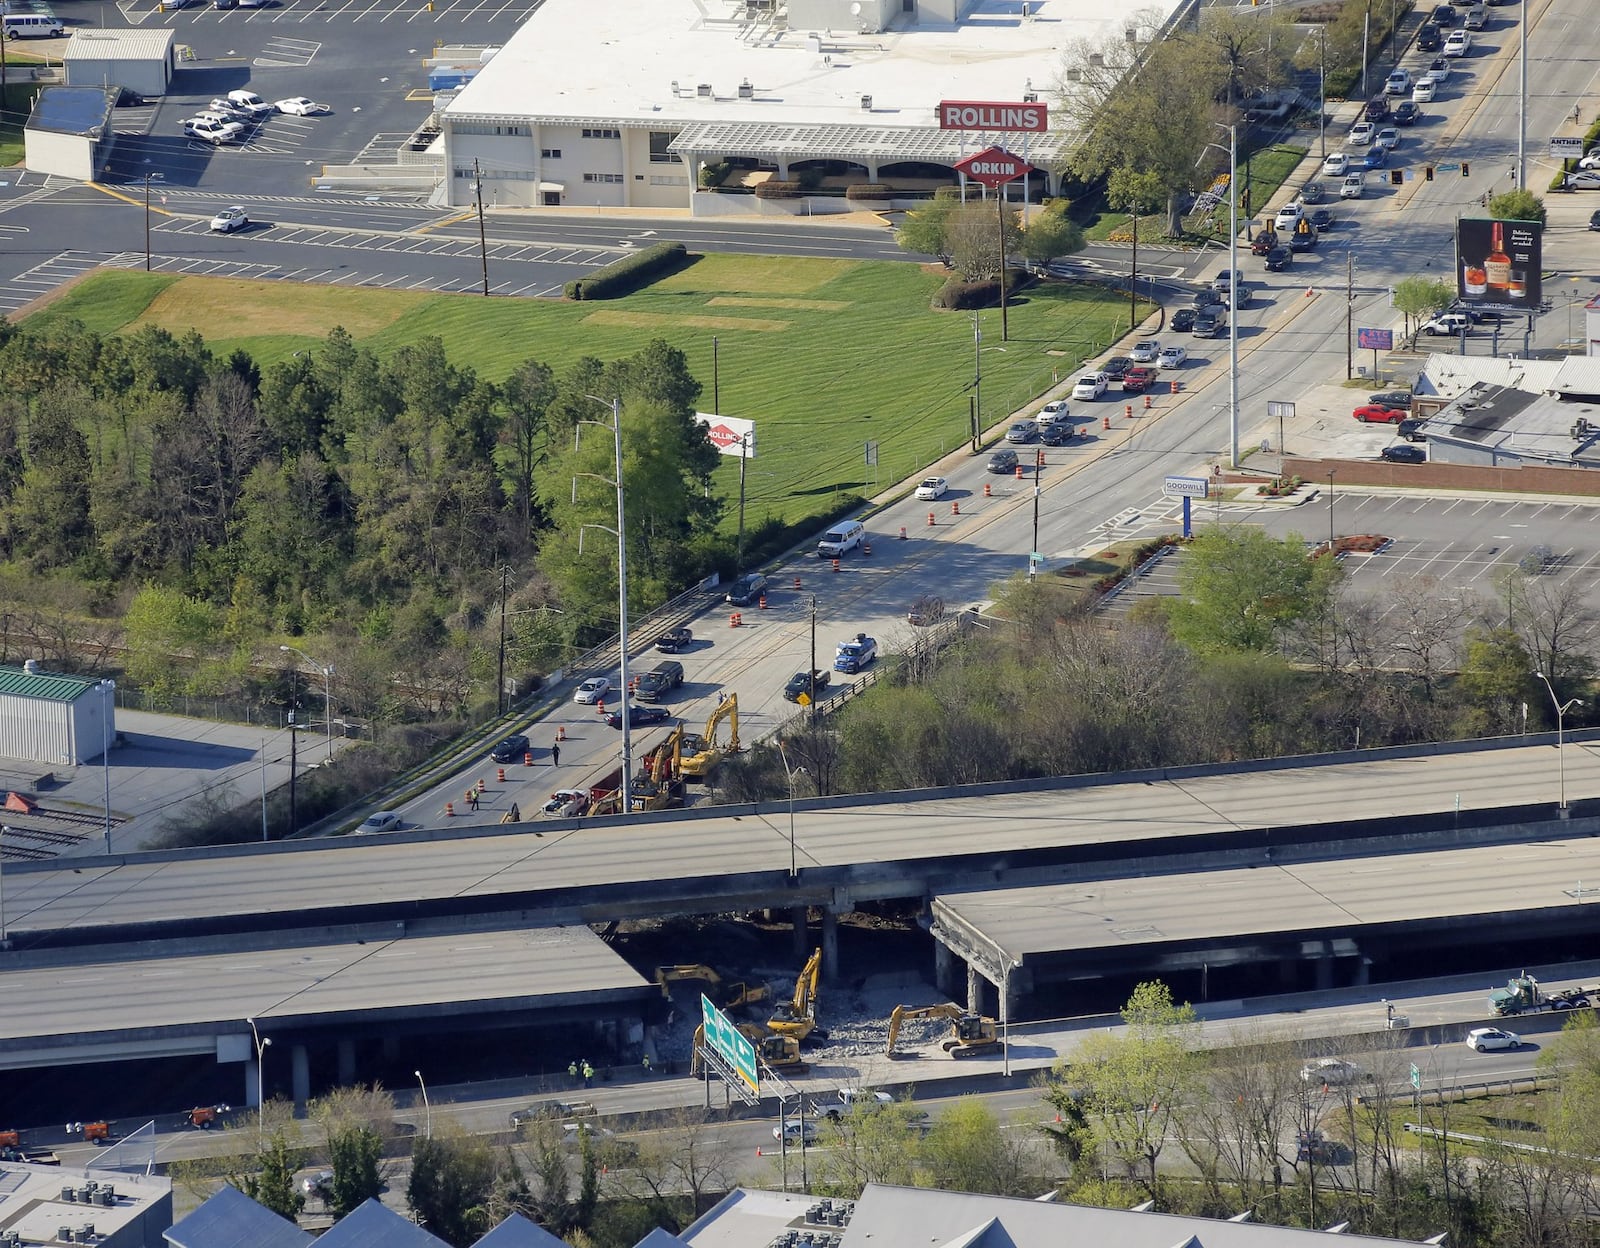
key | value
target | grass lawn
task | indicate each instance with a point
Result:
(823, 354)
(15, 105)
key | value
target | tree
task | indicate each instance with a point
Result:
(1518, 205)
(452, 1185)
(527, 395)
(1240, 589)
(870, 1144)
(1254, 49)
(273, 1184)
(355, 1154)
(1050, 235)
(1133, 1084)
(1497, 679)
(968, 1150)
(1420, 298)
(923, 231)
(1425, 624)
(974, 235)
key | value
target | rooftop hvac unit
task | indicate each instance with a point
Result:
(746, 91)
(1074, 74)
(1030, 97)
(866, 103)
(86, 1233)
(703, 90)
(70, 1195)
(1097, 60)
(105, 1197)
(64, 1234)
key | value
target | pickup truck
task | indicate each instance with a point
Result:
(804, 682)
(855, 654)
(847, 1100)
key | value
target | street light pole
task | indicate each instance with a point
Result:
(426, 1107)
(1233, 296)
(262, 1045)
(108, 690)
(1561, 718)
(327, 689)
(791, 774)
(148, 178)
(622, 595)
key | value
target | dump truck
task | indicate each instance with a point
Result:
(971, 1035)
(1525, 995)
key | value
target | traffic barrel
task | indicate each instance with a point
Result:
(866, 548)
(733, 620)
(931, 520)
(762, 602)
(449, 810)
(1174, 386)
(835, 565)
(1127, 411)
(499, 775)
(1019, 472)
(797, 584)
(903, 529)
(955, 509)
(1106, 423)
(1147, 402)
(527, 758)
(988, 490)
(561, 733)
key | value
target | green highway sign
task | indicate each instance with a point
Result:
(1416, 1077)
(725, 1040)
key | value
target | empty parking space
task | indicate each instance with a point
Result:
(309, 12)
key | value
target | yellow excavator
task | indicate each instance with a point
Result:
(799, 1017)
(701, 753)
(729, 997)
(780, 1053)
(659, 781)
(971, 1035)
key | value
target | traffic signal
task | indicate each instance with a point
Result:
(1427, 173)
(1396, 177)
(1466, 169)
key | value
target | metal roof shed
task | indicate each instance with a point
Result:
(68, 134)
(51, 717)
(140, 60)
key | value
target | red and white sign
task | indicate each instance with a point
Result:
(993, 115)
(729, 434)
(994, 166)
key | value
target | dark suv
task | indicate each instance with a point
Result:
(1429, 39)
(660, 680)
(1378, 108)
(747, 589)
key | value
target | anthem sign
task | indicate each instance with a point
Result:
(1028, 118)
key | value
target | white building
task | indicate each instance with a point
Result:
(141, 60)
(49, 717)
(43, 1204)
(68, 134)
(623, 103)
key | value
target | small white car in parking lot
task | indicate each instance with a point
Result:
(1090, 386)
(1481, 1038)
(229, 220)
(932, 488)
(212, 130)
(1172, 357)
(301, 106)
(250, 102)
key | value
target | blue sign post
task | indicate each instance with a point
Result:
(1188, 489)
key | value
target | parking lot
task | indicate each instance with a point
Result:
(299, 12)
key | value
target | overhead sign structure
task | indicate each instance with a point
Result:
(1566, 147)
(729, 434)
(1498, 263)
(994, 166)
(725, 1040)
(1375, 339)
(1027, 117)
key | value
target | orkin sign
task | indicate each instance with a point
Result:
(994, 166)
(993, 115)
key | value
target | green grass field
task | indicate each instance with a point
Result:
(824, 355)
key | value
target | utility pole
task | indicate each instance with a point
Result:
(500, 676)
(1322, 91)
(1000, 242)
(716, 380)
(1133, 275)
(812, 709)
(483, 245)
(1349, 314)
(744, 458)
(294, 771)
(977, 380)
(1038, 475)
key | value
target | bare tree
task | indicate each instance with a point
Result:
(1425, 624)
(1557, 625)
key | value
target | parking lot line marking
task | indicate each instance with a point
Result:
(128, 199)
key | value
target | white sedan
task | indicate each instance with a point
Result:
(1336, 165)
(300, 106)
(1424, 91)
(383, 821)
(1145, 352)
(229, 220)
(1090, 386)
(592, 690)
(1481, 1038)
(1361, 133)
(932, 488)
(1172, 357)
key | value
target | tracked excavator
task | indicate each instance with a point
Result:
(702, 753)
(971, 1035)
(799, 1017)
(780, 1053)
(726, 996)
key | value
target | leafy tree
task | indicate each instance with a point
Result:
(527, 395)
(1240, 589)
(968, 1150)
(273, 1183)
(1050, 235)
(1420, 298)
(453, 1185)
(924, 230)
(870, 1144)
(1253, 48)
(1518, 205)
(355, 1154)
(1496, 679)
(975, 234)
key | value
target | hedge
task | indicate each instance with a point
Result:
(773, 189)
(627, 274)
(869, 190)
(962, 296)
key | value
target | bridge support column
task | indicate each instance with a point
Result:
(944, 968)
(1324, 973)
(347, 1063)
(250, 1101)
(975, 984)
(391, 1048)
(301, 1066)
(800, 916)
(830, 945)
(1363, 972)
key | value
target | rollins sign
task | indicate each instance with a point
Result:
(977, 115)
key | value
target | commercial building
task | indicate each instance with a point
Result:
(633, 102)
(51, 1205)
(69, 134)
(141, 59)
(50, 717)
(1509, 413)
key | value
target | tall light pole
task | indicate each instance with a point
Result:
(327, 688)
(622, 587)
(797, 771)
(1322, 91)
(1522, 99)
(1233, 291)
(148, 179)
(426, 1107)
(1561, 718)
(263, 1043)
(3, 831)
(108, 689)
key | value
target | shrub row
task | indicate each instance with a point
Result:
(958, 296)
(869, 190)
(627, 274)
(774, 189)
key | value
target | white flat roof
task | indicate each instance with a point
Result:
(616, 63)
(114, 44)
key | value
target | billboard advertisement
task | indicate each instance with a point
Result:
(1498, 263)
(729, 434)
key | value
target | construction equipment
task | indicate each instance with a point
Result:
(971, 1035)
(701, 753)
(1525, 995)
(657, 784)
(729, 997)
(799, 1017)
(202, 1116)
(779, 1053)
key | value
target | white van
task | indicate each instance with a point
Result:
(32, 26)
(841, 539)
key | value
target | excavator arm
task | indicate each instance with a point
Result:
(902, 1012)
(799, 1017)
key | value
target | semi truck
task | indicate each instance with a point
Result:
(1525, 995)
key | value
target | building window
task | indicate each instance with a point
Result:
(660, 140)
(600, 133)
(602, 177)
(550, 153)
(666, 179)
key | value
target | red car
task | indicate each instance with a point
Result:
(1381, 415)
(1137, 379)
